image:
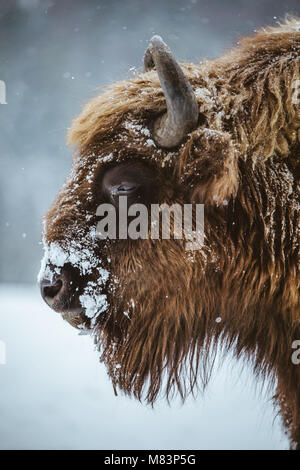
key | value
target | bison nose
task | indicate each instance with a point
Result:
(50, 290)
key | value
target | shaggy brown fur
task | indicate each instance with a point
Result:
(243, 163)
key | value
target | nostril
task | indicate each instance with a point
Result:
(53, 289)
(49, 290)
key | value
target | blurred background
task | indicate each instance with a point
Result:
(54, 56)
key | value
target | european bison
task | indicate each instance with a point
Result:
(226, 134)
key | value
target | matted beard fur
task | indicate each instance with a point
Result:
(164, 309)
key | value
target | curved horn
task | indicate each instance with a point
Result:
(182, 107)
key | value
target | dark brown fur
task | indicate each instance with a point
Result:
(244, 152)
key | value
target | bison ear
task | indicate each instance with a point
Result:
(208, 165)
(182, 107)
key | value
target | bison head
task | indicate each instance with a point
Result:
(148, 302)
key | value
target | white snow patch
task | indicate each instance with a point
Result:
(78, 256)
(167, 159)
(137, 128)
(203, 93)
(150, 143)
(93, 304)
(107, 158)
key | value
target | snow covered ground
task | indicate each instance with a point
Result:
(55, 395)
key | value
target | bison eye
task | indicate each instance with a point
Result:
(133, 179)
(124, 189)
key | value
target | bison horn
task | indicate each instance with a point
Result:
(182, 107)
